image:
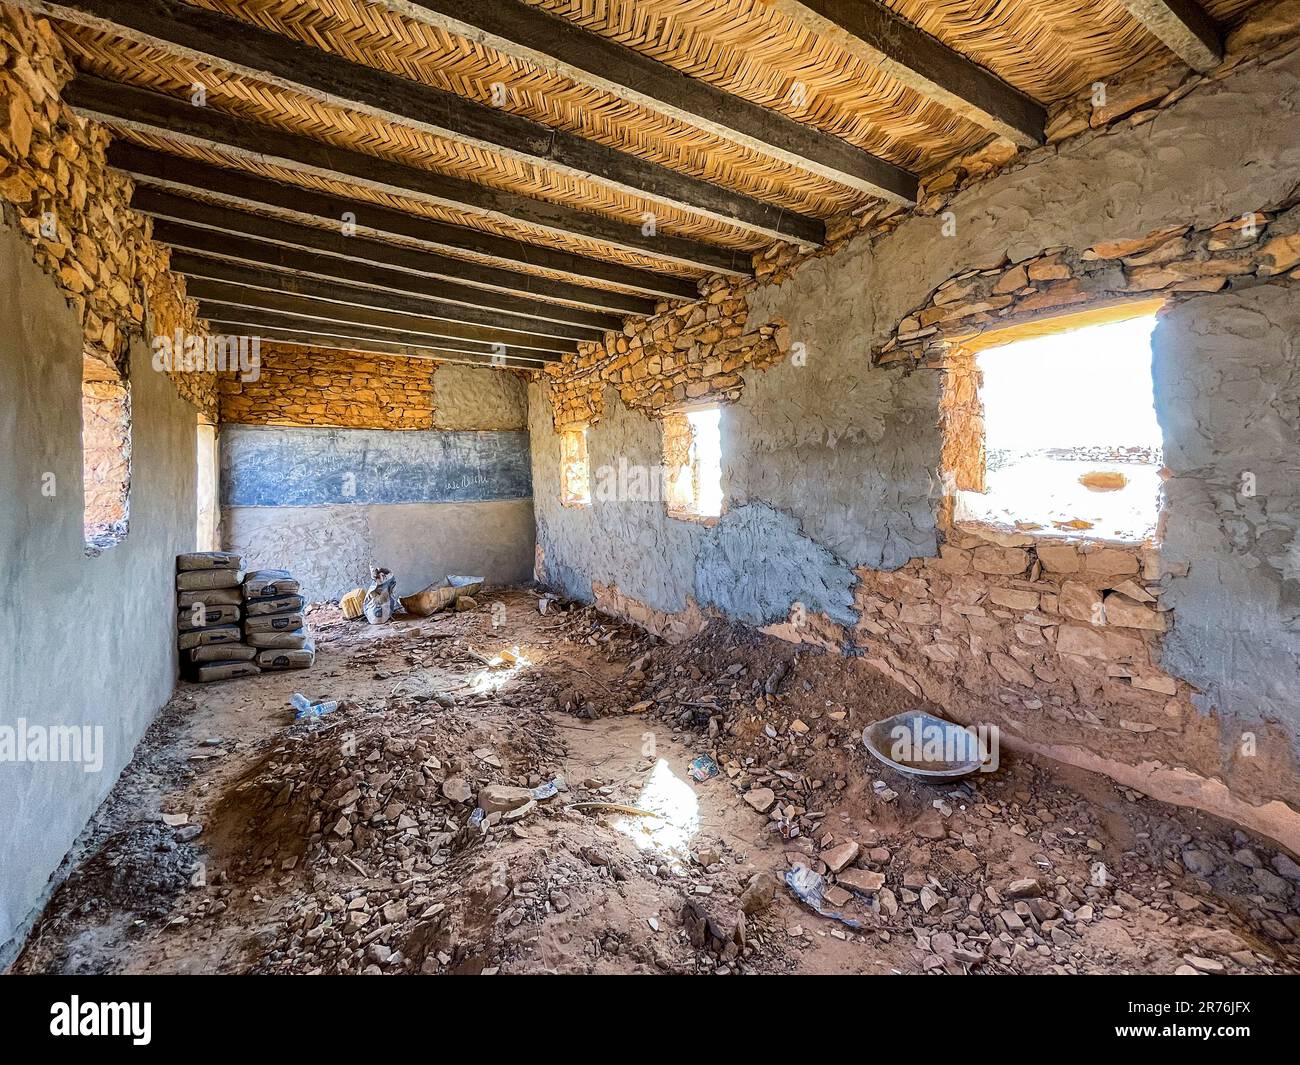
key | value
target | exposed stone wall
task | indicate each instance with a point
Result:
(106, 451)
(1050, 630)
(325, 386)
(693, 352)
(1169, 263)
(301, 386)
(835, 530)
(75, 211)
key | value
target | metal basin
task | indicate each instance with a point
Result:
(921, 745)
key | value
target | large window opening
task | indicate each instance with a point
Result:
(693, 462)
(1056, 432)
(575, 468)
(106, 454)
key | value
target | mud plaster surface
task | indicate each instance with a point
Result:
(835, 463)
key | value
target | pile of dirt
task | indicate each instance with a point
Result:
(1007, 870)
(476, 803)
(388, 788)
(133, 876)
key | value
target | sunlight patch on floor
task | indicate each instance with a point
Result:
(678, 809)
(501, 669)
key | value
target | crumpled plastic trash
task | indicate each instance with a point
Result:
(304, 708)
(549, 789)
(810, 888)
(703, 768)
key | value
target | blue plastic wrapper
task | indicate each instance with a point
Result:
(304, 708)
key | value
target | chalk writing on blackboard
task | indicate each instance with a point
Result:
(286, 467)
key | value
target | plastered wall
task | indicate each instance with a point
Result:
(833, 462)
(436, 488)
(88, 641)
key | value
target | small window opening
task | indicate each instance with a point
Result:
(575, 468)
(1058, 432)
(106, 454)
(693, 462)
(206, 486)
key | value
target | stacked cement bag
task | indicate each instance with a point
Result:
(209, 608)
(273, 620)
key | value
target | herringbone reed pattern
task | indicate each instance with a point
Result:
(1049, 49)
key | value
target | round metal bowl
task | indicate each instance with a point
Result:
(907, 742)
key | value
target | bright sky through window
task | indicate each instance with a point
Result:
(706, 429)
(1071, 435)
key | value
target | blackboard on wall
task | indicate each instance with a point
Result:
(266, 466)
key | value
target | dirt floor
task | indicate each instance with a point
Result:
(242, 841)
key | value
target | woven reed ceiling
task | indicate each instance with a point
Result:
(1047, 50)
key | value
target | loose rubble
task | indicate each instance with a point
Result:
(424, 826)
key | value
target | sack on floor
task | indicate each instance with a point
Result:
(205, 617)
(284, 658)
(378, 605)
(209, 671)
(293, 640)
(221, 652)
(194, 579)
(209, 560)
(222, 634)
(429, 600)
(269, 584)
(282, 604)
(274, 623)
(210, 597)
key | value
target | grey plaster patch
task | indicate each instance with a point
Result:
(330, 549)
(756, 562)
(850, 450)
(1227, 375)
(628, 542)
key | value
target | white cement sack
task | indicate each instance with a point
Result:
(206, 617)
(294, 640)
(281, 604)
(210, 597)
(209, 560)
(379, 602)
(210, 671)
(287, 658)
(274, 623)
(192, 580)
(269, 584)
(222, 634)
(222, 652)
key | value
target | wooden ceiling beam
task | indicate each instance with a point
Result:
(557, 46)
(299, 338)
(168, 205)
(869, 30)
(248, 191)
(514, 330)
(481, 305)
(157, 114)
(251, 320)
(233, 45)
(229, 294)
(1183, 27)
